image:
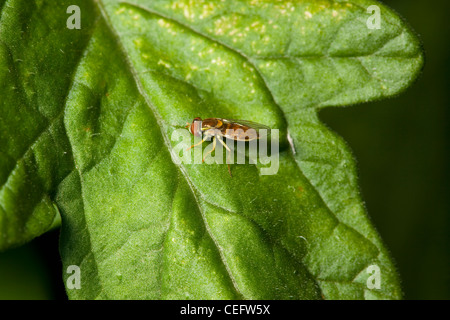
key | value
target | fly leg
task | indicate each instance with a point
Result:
(194, 145)
(228, 155)
(213, 148)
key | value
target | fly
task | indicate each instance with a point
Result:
(218, 128)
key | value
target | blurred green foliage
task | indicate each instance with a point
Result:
(403, 150)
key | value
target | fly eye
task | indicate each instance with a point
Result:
(196, 127)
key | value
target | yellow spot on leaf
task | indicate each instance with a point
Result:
(165, 64)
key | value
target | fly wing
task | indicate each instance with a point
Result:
(261, 129)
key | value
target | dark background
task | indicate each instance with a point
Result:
(402, 147)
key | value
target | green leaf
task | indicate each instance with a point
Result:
(86, 132)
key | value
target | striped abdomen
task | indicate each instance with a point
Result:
(229, 129)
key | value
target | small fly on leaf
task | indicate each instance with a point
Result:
(218, 128)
